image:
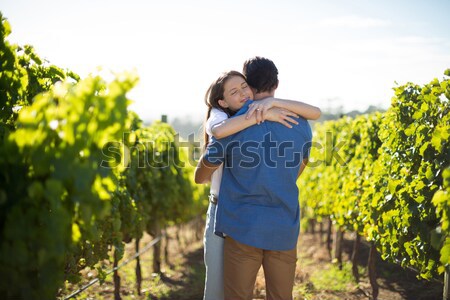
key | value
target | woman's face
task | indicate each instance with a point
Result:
(236, 93)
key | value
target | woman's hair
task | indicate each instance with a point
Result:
(215, 93)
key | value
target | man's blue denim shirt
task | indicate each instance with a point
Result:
(258, 202)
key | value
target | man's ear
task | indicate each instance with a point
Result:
(223, 103)
(276, 86)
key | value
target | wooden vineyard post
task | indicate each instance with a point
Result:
(355, 253)
(138, 269)
(116, 278)
(339, 236)
(321, 232)
(179, 238)
(329, 230)
(200, 228)
(157, 251)
(372, 270)
(166, 249)
(446, 295)
(312, 226)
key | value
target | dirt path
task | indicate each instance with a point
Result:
(314, 267)
(316, 277)
(395, 282)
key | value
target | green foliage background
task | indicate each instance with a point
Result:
(73, 180)
(385, 176)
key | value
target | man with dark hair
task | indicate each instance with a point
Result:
(262, 74)
(258, 210)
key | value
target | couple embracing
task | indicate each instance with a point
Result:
(256, 146)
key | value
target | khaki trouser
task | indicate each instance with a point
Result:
(241, 266)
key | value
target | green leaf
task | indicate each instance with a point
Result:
(76, 234)
(436, 239)
(445, 253)
(36, 190)
(424, 148)
(417, 115)
(411, 130)
(429, 174)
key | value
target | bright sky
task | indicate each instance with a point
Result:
(329, 53)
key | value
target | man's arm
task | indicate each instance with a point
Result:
(204, 170)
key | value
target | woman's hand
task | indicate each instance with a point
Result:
(282, 116)
(260, 109)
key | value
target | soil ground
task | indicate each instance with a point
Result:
(317, 278)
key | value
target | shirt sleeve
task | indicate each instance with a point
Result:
(215, 118)
(215, 152)
(308, 144)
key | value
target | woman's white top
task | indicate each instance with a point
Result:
(217, 116)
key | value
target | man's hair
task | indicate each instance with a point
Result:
(261, 73)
